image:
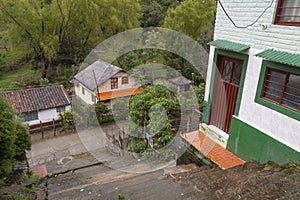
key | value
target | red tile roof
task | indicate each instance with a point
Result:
(36, 99)
(212, 150)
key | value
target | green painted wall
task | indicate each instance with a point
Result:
(206, 112)
(251, 144)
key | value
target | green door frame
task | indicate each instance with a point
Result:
(231, 54)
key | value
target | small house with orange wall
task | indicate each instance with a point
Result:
(102, 81)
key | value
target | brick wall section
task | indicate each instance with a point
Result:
(244, 12)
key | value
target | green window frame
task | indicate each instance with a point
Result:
(259, 97)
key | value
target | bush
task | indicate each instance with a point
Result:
(14, 137)
(137, 145)
(67, 120)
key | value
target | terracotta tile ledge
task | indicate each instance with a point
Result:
(210, 149)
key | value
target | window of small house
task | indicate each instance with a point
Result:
(282, 88)
(93, 98)
(114, 83)
(60, 109)
(288, 12)
(30, 116)
(124, 80)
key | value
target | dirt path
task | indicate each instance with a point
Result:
(66, 144)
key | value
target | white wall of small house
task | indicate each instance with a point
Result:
(47, 115)
(285, 38)
(106, 86)
(87, 96)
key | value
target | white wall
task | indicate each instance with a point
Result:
(286, 38)
(87, 96)
(271, 122)
(47, 115)
(106, 86)
(209, 72)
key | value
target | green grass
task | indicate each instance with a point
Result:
(18, 79)
(80, 156)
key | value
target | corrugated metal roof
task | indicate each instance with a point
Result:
(103, 72)
(180, 80)
(281, 57)
(228, 45)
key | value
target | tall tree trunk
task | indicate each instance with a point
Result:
(45, 67)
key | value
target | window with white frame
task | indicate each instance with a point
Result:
(60, 109)
(114, 83)
(124, 80)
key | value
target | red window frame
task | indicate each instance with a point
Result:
(280, 99)
(124, 80)
(114, 83)
(278, 15)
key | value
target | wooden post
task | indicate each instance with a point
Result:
(54, 127)
(41, 128)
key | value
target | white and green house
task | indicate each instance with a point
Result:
(252, 99)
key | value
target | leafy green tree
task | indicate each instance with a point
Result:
(51, 32)
(120, 108)
(14, 138)
(194, 18)
(154, 11)
(151, 110)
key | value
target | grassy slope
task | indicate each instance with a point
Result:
(18, 79)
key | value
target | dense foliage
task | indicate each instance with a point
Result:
(194, 18)
(14, 138)
(53, 37)
(48, 33)
(154, 11)
(150, 112)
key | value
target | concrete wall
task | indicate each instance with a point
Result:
(245, 12)
(251, 144)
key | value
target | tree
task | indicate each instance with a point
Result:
(154, 11)
(54, 31)
(150, 112)
(194, 18)
(14, 138)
